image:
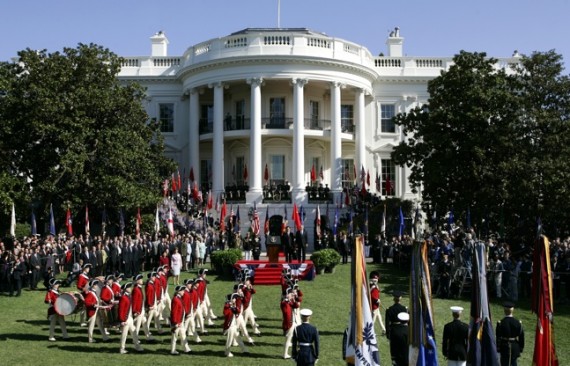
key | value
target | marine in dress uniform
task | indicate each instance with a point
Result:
(455, 337)
(393, 311)
(177, 321)
(53, 316)
(510, 337)
(306, 341)
(399, 340)
(125, 317)
(375, 299)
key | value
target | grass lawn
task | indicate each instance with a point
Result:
(24, 330)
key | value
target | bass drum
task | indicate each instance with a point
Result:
(65, 304)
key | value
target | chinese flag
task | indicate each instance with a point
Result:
(313, 174)
(296, 218)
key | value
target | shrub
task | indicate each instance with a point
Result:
(225, 259)
(325, 258)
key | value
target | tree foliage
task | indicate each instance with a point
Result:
(73, 135)
(494, 140)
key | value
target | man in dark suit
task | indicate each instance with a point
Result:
(301, 241)
(392, 313)
(35, 265)
(288, 243)
(306, 341)
(510, 337)
(455, 335)
(399, 340)
(18, 272)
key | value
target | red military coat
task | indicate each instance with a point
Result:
(247, 293)
(195, 299)
(187, 302)
(150, 293)
(287, 312)
(158, 289)
(51, 296)
(91, 302)
(107, 294)
(124, 307)
(176, 311)
(137, 299)
(375, 297)
(82, 281)
(230, 312)
(201, 290)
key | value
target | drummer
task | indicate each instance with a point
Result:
(53, 316)
(108, 299)
(82, 281)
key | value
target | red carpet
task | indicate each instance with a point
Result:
(266, 273)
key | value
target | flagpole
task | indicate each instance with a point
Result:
(278, 13)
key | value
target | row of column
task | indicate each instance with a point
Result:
(255, 159)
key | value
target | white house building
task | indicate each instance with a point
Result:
(284, 104)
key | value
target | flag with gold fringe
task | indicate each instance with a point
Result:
(542, 305)
(422, 350)
(361, 347)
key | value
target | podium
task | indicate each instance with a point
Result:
(273, 247)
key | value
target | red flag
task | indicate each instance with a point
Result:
(87, 228)
(266, 174)
(210, 200)
(245, 175)
(179, 181)
(318, 223)
(223, 214)
(255, 223)
(138, 223)
(174, 189)
(296, 217)
(313, 174)
(388, 186)
(69, 223)
(191, 176)
(368, 178)
(321, 174)
(542, 305)
(284, 221)
(266, 224)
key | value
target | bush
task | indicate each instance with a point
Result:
(325, 258)
(224, 260)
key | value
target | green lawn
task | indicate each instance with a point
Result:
(24, 330)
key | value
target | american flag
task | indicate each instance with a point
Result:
(255, 222)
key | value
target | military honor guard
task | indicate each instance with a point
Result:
(125, 317)
(288, 304)
(375, 299)
(399, 340)
(455, 338)
(92, 305)
(138, 308)
(248, 315)
(82, 281)
(108, 301)
(51, 296)
(230, 326)
(239, 299)
(163, 299)
(510, 336)
(177, 321)
(190, 300)
(207, 311)
(393, 311)
(151, 302)
(306, 341)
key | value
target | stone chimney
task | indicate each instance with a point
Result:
(159, 44)
(395, 44)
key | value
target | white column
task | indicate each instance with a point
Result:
(255, 175)
(336, 146)
(194, 133)
(298, 138)
(218, 153)
(361, 131)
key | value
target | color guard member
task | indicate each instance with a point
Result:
(92, 305)
(53, 316)
(510, 337)
(375, 299)
(125, 316)
(455, 338)
(139, 314)
(177, 321)
(306, 341)
(288, 304)
(230, 325)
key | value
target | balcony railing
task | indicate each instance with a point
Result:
(279, 123)
(236, 123)
(242, 123)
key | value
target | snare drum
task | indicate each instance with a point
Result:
(65, 304)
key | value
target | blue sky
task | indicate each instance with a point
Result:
(430, 27)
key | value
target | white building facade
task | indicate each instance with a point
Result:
(284, 104)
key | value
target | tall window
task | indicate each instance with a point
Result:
(347, 118)
(388, 177)
(347, 176)
(206, 118)
(205, 173)
(166, 117)
(239, 169)
(387, 111)
(316, 163)
(314, 115)
(277, 112)
(240, 114)
(277, 169)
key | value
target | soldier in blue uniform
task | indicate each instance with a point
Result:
(510, 337)
(454, 344)
(306, 341)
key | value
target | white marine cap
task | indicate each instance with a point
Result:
(403, 316)
(306, 312)
(456, 309)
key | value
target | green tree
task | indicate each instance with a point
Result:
(77, 136)
(492, 139)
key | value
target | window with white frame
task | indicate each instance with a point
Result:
(347, 176)
(277, 169)
(166, 117)
(388, 177)
(387, 113)
(347, 118)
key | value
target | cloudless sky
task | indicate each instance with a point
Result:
(430, 27)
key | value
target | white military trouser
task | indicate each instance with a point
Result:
(248, 316)
(141, 320)
(96, 318)
(154, 315)
(179, 332)
(233, 335)
(56, 318)
(129, 327)
(377, 316)
(199, 318)
(288, 340)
